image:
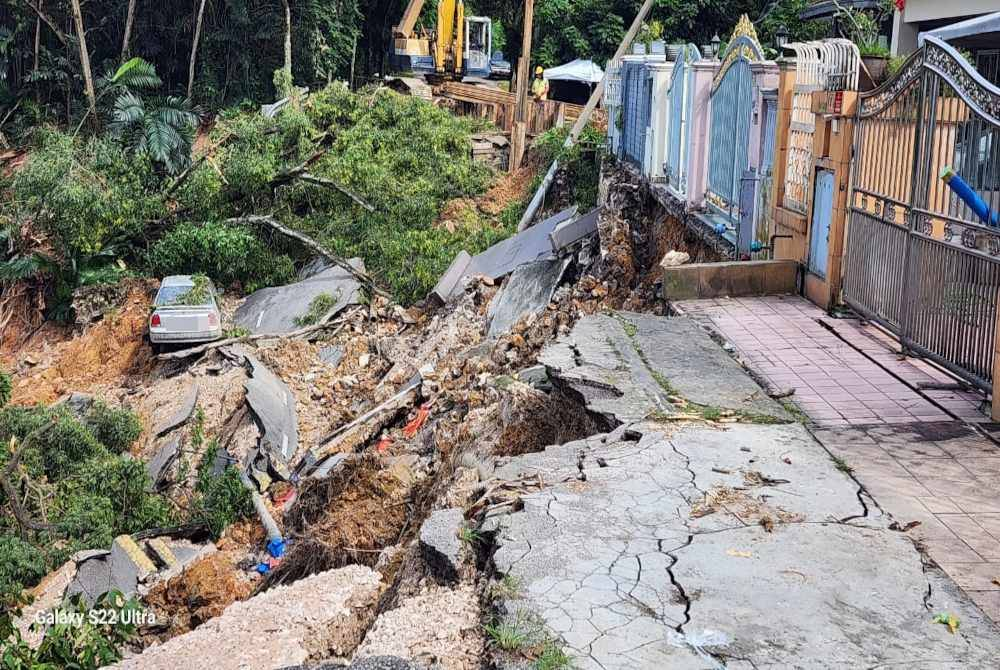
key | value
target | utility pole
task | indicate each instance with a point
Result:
(519, 131)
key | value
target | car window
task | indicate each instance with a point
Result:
(177, 294)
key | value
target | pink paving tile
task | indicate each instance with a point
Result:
(973, 535)
(951, 551)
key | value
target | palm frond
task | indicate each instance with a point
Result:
(21, 268)
(136, 73)
(126, 112)
(159, 139)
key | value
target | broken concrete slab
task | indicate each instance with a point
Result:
(329, 465)
(93, 578)
(439, 626)
(573, 230)
(162, 459)
(275, 310)
(626, 366)
(273, 405)
(440, 543)
(320, 616)
(527, 291)
(528, 245)
(382, 663)
(696, 367)
(453, 279)
(181, 414)
(599, 362)
(631, 569)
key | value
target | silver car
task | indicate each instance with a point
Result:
(185, 311)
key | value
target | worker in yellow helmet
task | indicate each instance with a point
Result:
(539, 86)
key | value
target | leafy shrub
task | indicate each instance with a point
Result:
(6, 386)
(20, 564)
(65, 445)
(226, 253)
(115, 428)
(219, 500)
(318, 307)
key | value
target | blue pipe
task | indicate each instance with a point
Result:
(970, 197)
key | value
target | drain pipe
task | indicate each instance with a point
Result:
(581, 122)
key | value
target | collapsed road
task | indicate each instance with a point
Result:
(537, 468)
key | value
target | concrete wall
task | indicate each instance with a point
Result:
(730, 279)
(701, 120)
(656, 145)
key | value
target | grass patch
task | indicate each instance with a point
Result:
(508, 587)
(470, 536)
(318, 308)
(511, 634)
(552, 657)
(795, 411)
(842, 465)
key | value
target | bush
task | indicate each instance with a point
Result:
(6, 386)
(219, 500)
(115, 428)
(20, 564)
(226, 253)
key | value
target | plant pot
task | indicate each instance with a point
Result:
(877, 67)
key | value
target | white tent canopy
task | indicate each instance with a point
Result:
(977, 27)
(585, 71)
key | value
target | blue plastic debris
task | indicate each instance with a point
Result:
(263, 568)
(276, 547)
(720, 228)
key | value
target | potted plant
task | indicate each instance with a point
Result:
(864, 28)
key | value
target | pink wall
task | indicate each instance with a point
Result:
(701, 117)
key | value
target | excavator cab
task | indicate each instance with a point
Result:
(460, 46)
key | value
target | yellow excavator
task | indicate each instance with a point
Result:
(460, 46)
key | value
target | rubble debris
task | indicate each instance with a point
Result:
(273, 406)
(331, 356)
(673, 258)
(526, 292)
(122, 568)
(492, 149)
(529, 245)
(320, 616)
(275, 310)
(357, 432)
(77, 403)
(330, 465)
(440, 543)
(181, 414)
(438, 628)
(45, 596)
(163, 459)
(381, 663)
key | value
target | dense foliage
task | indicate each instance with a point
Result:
(73, 481)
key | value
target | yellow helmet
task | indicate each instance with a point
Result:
(538, 69)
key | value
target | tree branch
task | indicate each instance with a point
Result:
(323, 181)
(37, 9)
(20, 515)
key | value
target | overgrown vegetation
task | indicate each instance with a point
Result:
(318, 307)
(580, 163)
(6, 387)
(77, 640)
(75, 488)
(105, 206)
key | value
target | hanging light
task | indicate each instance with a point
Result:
(781, 36)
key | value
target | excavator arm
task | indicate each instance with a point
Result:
(409, 20)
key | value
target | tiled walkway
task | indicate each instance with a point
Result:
(917, 453)
(847, 377)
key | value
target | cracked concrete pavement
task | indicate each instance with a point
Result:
(703, 545)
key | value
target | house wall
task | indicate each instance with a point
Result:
(701, 120)
(657, 136)
(905, 27)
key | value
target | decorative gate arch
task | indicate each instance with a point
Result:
(919, 260)
(681, 97)
(733, 104)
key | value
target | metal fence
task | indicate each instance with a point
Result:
(636, 99)
(613, 104)
(919, 260)
(680, 100)
(821, 65)
(733, 103)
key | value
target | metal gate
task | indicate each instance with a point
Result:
(919, 260)
(819, 230)
(733, 103)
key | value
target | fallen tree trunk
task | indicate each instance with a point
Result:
(363, 278)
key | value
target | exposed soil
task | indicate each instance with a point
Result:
(346, 518)
(206, 588)
(105, 355)
(509, 188)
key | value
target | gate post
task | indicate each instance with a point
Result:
(995, 407)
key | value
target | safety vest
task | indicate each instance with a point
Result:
(539, 88)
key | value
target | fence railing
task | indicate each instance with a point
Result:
(821, 65)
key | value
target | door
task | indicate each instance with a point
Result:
(819, 239)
